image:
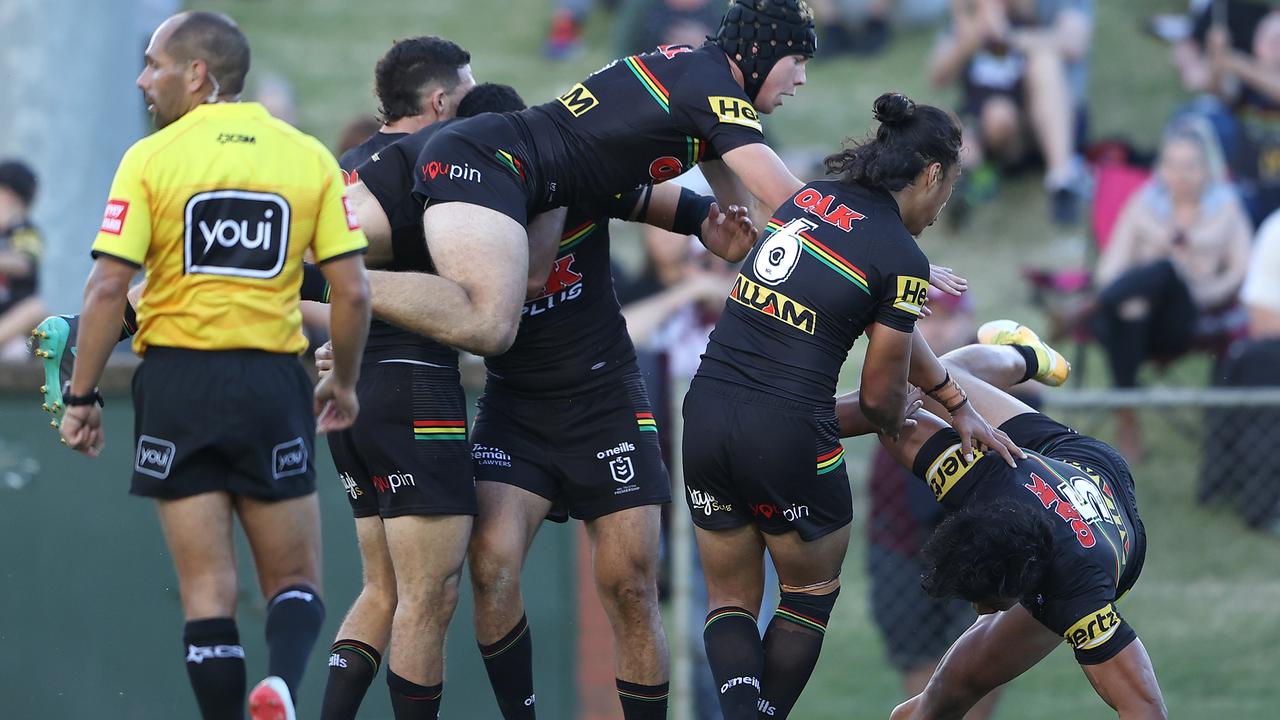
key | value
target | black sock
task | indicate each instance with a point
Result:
(352, 667)
(736, 658)
(294, 617)
(792, 643)
(215, 665)
(643, 702)
(411, 701)
(509, 663)
(130, 324)
(1033, 364)
(314, 286)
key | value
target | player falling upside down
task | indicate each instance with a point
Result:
(762, 457)
(1044, 551)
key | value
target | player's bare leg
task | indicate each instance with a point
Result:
(427, 553)
(809, 575)
(733, 567)
(356, 654)
(509, 518)
(624, 555)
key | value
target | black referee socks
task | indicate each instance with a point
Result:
(411, 701)
(215, 665)
(294, 617)
(737, 660)
(509, 664)
(352, 667)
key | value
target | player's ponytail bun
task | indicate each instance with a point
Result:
(910, 137)
(894, 109)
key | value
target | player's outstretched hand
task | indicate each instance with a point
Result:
(324, 359)
(946, 280)
(976, 432)
(336, 405)
(729, 235)
(81, 429)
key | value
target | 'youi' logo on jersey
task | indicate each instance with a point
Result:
(236, 232)
(154, 456)
(289, 459)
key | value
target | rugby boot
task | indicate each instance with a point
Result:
(1054, 368)
(54, 342)
(270, 700)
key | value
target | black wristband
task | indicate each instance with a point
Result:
(314, 286)
(691, 210)
(946, 378)
(70, 400)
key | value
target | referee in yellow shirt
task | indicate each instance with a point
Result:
(218, 208)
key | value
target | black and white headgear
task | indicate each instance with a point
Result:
(757, 33)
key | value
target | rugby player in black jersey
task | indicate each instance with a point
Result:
(763, 463)
(405, 464)
(565, 429)
(1044, 551)
(641, 120)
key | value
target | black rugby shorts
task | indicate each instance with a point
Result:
(752, 457)
(237, 421)
(591, 453)
(407, 453)
(479, 161)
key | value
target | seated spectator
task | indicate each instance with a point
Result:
(1021, 65)
(1249, 82)
(20, 250)
(916, 629)
(650, 23)
(1239, 442)
(1190, 55)
(1179, 249)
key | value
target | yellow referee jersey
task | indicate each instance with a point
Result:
(219, 207)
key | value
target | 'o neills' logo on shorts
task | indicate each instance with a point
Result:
(773, 303)
(154, 456)
(1093, 630)
(948, 469)
(289, 459)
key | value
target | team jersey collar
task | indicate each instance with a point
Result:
(225, 109)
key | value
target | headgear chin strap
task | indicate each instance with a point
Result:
(757, 33)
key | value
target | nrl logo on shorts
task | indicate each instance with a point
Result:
(622, 469)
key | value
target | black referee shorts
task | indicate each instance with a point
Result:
(236, 421)
(752, 457)
(407, 453)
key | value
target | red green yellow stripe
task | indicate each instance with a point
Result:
(359, 651)
(646, 422)
(650, 81)
(831, 460)
(572, 238)
(508, 646)
(801, 620)
(440, 429)
(697, 149)
(728, 612)
(1114, 550)
(828, 257)
(512, 163)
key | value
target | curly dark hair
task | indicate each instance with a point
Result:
(995, 550)
(909, 138)
(409, 67)
(490, 97)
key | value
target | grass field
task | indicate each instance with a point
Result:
(1208, 605)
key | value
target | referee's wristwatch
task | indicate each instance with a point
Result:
(70, 400)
